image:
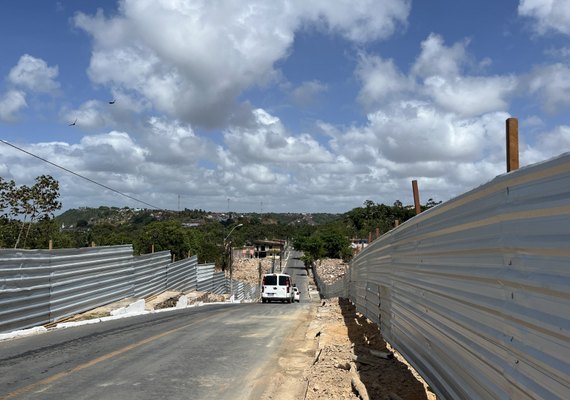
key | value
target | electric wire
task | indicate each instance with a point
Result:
(79, 175)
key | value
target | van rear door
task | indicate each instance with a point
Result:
(284, 286)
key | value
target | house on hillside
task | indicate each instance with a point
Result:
(265, 248)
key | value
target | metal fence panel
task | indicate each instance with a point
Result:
(220, 285)
(250, 292)
(205, 277)
(339, 288)
(238, 289)
(181, 275)
(24, 289)
(85, 278)
(149, 273)
(474, 292)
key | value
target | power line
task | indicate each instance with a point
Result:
(79, 175)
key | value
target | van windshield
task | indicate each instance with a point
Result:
(283, 281)
(270, 280)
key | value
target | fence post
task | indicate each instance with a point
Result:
(50, 244)
(416, 196)
(512, 144)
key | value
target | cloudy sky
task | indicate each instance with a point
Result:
(282, 105)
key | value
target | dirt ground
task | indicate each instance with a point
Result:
(352, 361)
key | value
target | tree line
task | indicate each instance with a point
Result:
(27, 221)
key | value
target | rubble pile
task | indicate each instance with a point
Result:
(247, 269)
(331, 269)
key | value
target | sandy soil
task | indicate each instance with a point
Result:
(352, 361)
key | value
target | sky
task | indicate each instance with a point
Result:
(277, 106)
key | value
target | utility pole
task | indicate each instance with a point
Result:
(228, 247)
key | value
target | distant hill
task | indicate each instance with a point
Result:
(85, 216)
(94, 216)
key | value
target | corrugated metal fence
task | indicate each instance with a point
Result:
(41, 286)
(327, 290)
(476, 292)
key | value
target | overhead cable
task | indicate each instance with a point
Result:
(79, 175)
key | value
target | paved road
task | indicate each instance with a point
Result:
(296, 269)
(223, 351)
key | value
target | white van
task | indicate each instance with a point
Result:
(276, 287)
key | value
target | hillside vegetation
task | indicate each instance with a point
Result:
(187, 232)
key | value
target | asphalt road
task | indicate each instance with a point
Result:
(296, 269)
(223, 351)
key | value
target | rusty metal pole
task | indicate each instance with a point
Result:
(512, 144)
(416, 196)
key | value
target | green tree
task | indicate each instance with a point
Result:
(167, 235)
(29, 204)
(43, 200)
(6, 190)
(335, 243)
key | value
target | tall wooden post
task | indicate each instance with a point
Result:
(512, 144)
(369, 237)
(416, 196)
(377, 233)
(51, 244)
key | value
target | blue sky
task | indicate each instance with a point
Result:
(302, 106)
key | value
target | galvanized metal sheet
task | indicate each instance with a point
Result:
(181, 275)
(82, 279)
(205, 277)
(149, 273)
(24, 289)
(474, 292)
(219, 284)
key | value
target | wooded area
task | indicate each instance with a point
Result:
(28, 221)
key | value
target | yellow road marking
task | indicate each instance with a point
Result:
(95, 361)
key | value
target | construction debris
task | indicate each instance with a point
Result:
(331, 269)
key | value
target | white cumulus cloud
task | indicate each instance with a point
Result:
(552, 84)
(547, 15)
(35, 75)
(192, 59)
(11, 103)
